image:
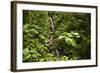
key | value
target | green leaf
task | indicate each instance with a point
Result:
(42, 36)
(61, 37)
(70, 41)
(28, 56)
(65, 33)
(25, 51)
(34, 30)
(69, 35)
(64, 58)
(36, 26)
(75, 33)
(73, 43)
(41, 60)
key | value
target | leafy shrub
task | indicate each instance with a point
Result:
(70, 40)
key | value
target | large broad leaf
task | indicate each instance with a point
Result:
(75, 33)
(61, 37)
(69, 34)
(70, 41)
(65, 33)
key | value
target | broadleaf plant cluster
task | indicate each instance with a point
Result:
(70, 40)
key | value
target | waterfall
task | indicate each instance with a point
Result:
(52, 25)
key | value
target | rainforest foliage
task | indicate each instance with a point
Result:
(69, 38)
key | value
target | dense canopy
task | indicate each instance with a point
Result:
(70, 38)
